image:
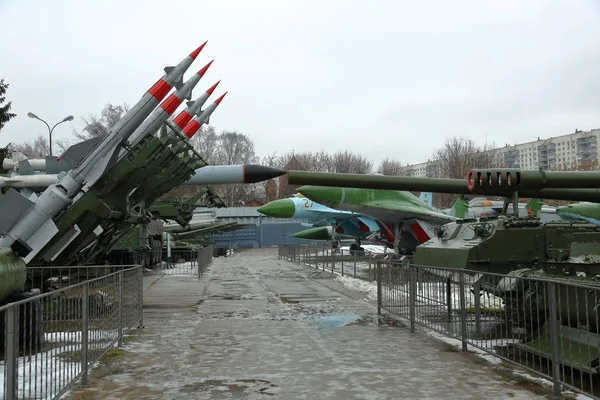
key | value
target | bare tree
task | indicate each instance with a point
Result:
(456, 157)
(97, 127)
(36, 148)
(348, 162)
(206, 142)
(390, 167)
(317, 161)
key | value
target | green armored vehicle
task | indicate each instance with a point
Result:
(531, 265)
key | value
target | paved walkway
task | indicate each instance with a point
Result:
(256, 327)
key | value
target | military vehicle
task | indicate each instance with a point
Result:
(108, 192)
(516, 248)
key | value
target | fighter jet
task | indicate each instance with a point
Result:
(583, 211)
(329, 224)
(404, 220)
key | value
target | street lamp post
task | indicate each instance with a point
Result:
(32, 115)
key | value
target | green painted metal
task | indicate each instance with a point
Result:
(120, 200)
(577, 349)
(515, 179)
(319, 233)
(282, 208)
(439, 185)
(567, 253)
(13, 273)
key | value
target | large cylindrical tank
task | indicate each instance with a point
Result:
(13, 273)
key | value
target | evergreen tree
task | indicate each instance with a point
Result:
(5, 115)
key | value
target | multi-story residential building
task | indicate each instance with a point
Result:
(572, 151)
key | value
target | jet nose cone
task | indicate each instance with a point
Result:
(328, 196)
(283, 208)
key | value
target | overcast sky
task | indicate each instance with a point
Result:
(380, 78)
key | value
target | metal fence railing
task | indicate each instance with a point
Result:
(176, 262)
(357, 264)
(53, 338)
(205, 256)
(550, 327)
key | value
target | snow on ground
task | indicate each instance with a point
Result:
(369, 288)
(427, 292)
(45, 374)
(75, 336)
(369, 248)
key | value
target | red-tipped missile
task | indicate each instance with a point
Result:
(27, 230)
(193, 108)
(98, 159)
(168, 107)
(196, 123)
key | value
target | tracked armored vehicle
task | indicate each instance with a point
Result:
(506, 253)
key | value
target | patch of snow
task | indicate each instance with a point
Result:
(45, 374)
(370, 288)
(369, 248)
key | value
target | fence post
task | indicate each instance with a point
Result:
(379, 274)
(477, 304)
(355, 264)
(342, 256)
(141, 296)
(332, 260)
(12, 352)
(85, 308)
(120, 340)
(556, 387)
(412, 300)
(463, 310)
(449, 298)
(370, 267)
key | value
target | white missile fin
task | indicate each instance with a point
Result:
(18, 206)
(190, 103)
(62, 243)
(40, 238)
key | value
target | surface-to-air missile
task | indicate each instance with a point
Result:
(91, 205)
(517, 247)
(209, 175)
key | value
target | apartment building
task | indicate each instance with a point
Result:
(572, 151)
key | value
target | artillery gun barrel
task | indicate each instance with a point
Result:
(516, 179)
(438, 185)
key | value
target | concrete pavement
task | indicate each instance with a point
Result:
(257, 327)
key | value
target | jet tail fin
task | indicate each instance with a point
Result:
(460, 207)
(426, 197)
(533, 206)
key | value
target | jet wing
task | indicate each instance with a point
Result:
(388, 210)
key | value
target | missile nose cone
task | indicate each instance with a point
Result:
(328, 196)
(259, 173)
(218, 101)
(320, 233)
(195, 53)
(283, 208)
(213, 87)
(205, 68)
